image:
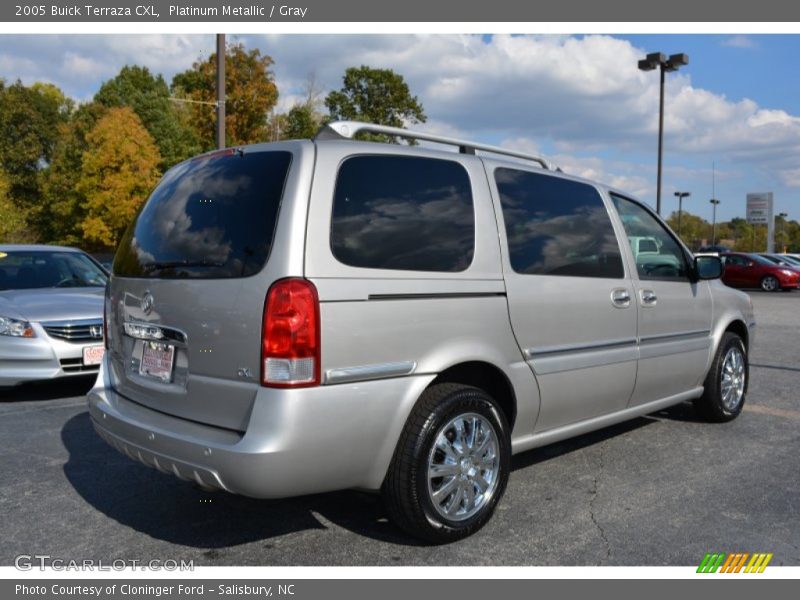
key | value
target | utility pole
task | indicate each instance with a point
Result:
(221, 90)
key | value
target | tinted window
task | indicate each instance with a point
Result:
(657, 254)
(733, 259)
(556, 226)
(407, 213)
(210, 217)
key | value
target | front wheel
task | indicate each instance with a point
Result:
(770, 283)
(726, 383)
(451, 464)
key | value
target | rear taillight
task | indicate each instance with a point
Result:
(290, 348)
(106, 317)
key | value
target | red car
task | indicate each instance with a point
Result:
(751, 271)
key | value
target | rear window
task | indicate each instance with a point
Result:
(210, 217)
(403, 213)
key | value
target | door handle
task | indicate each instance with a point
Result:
(649, 298)
(621, 298)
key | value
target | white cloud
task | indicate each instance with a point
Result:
(576, 96)
(740, 41)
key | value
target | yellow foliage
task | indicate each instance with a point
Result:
(118, 171)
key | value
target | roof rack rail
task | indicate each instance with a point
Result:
(349, 129)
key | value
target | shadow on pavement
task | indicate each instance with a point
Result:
(49, 390)
(176, 511)
(166, 508)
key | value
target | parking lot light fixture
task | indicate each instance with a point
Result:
(659, 60)
(714, 203)
(681, 196)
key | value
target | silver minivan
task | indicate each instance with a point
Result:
(307, 316)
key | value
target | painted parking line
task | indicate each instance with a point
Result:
(770, 410)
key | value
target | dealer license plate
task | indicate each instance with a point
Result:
(157, 361)
(93, 355)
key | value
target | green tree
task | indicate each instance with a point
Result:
(14, 227)
(694, 230)
(378, 96)
(149, 96)
(29, 120)
(301, 123)
(250, 96)
(117, 173)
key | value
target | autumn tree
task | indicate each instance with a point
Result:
(376, 96)
(149, 96)
(63, 205)
(117, 173)
(250, 96)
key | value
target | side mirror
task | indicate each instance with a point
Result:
(708, 267)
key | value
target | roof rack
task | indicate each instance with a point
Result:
(349, 129)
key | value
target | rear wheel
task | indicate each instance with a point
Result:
(770, 283)
(726, 383)
(451, 464)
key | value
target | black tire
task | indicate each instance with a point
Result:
(712, 405)
(770, 283)
(407, 490)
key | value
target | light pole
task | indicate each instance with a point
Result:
(681, 196)
(221, 90)
(659, 60)
(714, 203)
(780, 231)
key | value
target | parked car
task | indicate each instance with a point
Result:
(747, 270)
(51, 313)
(783, 259)
(402, 325)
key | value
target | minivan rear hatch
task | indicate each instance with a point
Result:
(189, 281)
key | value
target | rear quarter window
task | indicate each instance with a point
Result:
(403, 213)
(210, 217)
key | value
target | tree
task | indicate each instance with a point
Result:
(376, 96)
(694, 230)
(149, 96)
(250, 96)
(63, 206)
(301, 123)
(29, 121)
(13, 222)
(117, 173)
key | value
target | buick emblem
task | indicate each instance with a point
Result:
(147, 303)
(96, 331)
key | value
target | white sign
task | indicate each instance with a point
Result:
(759, 208)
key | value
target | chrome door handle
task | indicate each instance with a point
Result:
(649, 298)
(621, 298)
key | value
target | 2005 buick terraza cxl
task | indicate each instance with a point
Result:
(305, 316)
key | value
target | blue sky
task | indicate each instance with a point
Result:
(580, 100)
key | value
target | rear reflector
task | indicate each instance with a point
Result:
(290, 355)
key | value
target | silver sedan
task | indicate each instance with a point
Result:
(51, 313)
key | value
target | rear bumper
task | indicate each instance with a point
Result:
(297, 441)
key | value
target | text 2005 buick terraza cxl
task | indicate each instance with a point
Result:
(305, 316)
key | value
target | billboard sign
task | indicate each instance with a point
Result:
(759, 208)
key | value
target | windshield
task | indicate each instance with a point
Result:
(32, 269)
(209, 217)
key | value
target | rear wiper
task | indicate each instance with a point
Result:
(157, 266)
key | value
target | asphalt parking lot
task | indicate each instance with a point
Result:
(660, 490)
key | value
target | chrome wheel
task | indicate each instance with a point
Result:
(732, 378)
(769, 284)
(463, 467)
